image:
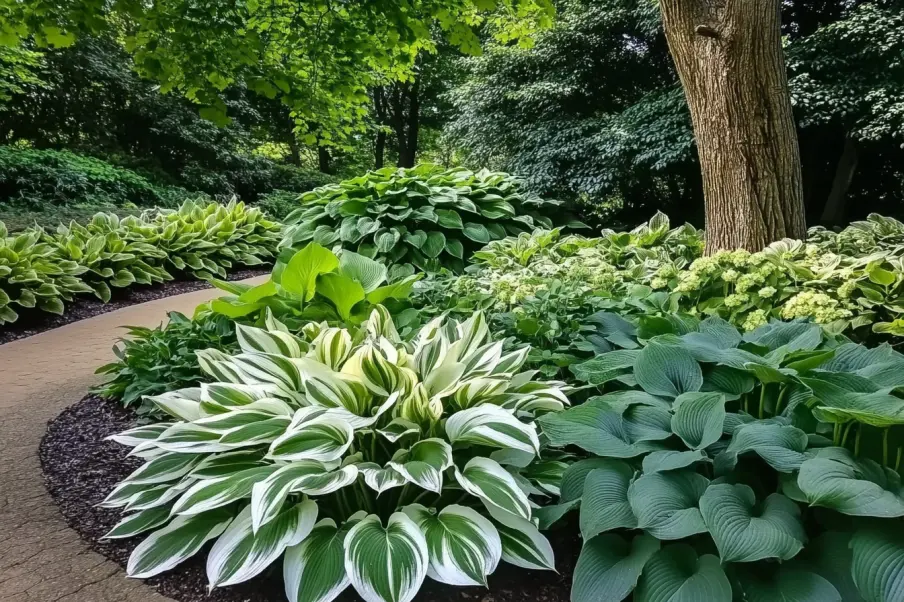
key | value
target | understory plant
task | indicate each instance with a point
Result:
(362, 460)
(422, 218)
(725, 467)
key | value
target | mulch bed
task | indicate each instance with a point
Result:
(35, 321)
(80, 468)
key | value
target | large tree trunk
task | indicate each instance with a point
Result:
(323, 159)
(381, 117)
(414, 123)
(728, 54)
(847, 166)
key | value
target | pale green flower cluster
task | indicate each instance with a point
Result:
(818, 306)
(755, 319)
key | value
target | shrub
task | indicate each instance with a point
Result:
(299, 429)
(424, 217)
(34, 178)
(152, 361)
(772, 449)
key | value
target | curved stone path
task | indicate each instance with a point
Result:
(41, 558)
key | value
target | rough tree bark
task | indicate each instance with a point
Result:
(836, 204)
(728, 54)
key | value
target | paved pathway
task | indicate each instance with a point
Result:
(41, 559)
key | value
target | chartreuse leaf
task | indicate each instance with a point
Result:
(878, 563)
(386, 564)
(604, 504)
(314, 570)
(300, 275)
(858, 487)
(181, 539)
(666, 504)
(676, 574)
(492, 426)
(241, 552)
(487, 480)
(788, 585)
(609, 567)
(745, 531)
(342, 291)
(667, 370)
(463, 546)
(698, 418)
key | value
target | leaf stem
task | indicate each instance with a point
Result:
(857, 440)
(778, 403)
(836, 434)
(885, 446)
(762, 400)
(847, 431)
(898, 460)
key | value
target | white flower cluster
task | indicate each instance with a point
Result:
(818, 306)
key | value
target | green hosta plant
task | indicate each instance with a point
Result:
(725, 467)
(34, 275)
(362, 460)
(425, 217)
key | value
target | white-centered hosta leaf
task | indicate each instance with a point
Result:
(182, 538)
(268, 369)
(496, 487)
(609, 567)
(183, 404)
(745, 532)
(698, 418)
(138, 435)
(323, 438)
(463, 546)
(522, 543)
(241, 552)
(478, 390)
(232, 420)
(165, 468)
(331, 347)
(225, 464)
(219, 365)
(604, 505)
(666, 504)
(858, 487)
(676, 574)
(667, 370)
(257, 433)
(398, 428)
(781, 446)
(269, 494)
(235, 395)
(139, 522)
(878, 563)
(381, 479)
(424, 463)
(492, 426)
(187, 438)
(253, 340)
(386, 564)
(314, 570)
(213, 493)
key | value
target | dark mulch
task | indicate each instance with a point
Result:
(80, 469)
(35, 321)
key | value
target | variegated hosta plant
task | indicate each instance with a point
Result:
(368, 461)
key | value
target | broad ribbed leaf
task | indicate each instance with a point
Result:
(699, 418)
(604, 505)
(676, 574)
(424, 463)
(386, 564)
(300, 274)
(368, 273)
(786, 585)
(878, 563)
(574, 477)
(609, 567)
(835, 479)
(597, 428)
(781, 446)
(241, 552)
(463, 546)
(661, 461)
(745, 532)
(666, 504)
(667, 370)
(487, 480)
(181, 539)
(492, 426)
(476, 232)
(314, 570)
(342, 291)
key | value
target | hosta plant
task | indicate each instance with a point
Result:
(730, 467)
(362, 460)
(425, 217)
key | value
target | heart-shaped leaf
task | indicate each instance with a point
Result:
(424, 463)
(858, 487)
(675, 573)
(878, 563)
(604, 504)
(699, 418)
(609, 567)
(386, 564)
(667, 370)
(496, 487)
(666, 504)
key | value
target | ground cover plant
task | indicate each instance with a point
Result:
(421, 218)
(361, 459)
(725, 464)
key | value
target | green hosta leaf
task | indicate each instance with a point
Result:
(597, 428)
(241, 552)
(835, 479)
(492, 426)
(661, 461)
(387, 240)
(434, 245)
(743, 532)
(522, 543)
(572, 486)
(181, 539)
(324, 438)
(455, 248)
(424, 463)
(449, 218)
(666, 504)
(386, 564)
(781, 446)
(676, 574)
(699, 418)
(609, 567)
(795, 336)
(786, 585)
(878, 563)
(604, 504)
(213, 493)
(476, 232)
(342, 291)
(300, 275)
(605, 367)
(463, 546)
(667, 370)
(314, 570)
(368, 273)
(487, 480)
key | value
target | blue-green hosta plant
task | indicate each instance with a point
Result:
(725, 467)
(360, 459)
(425, 217)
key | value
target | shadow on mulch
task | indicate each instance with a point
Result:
(80, 468)
(35, 321)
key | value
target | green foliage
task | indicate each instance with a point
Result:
(424, 218)
(151, 361)
(751, 446)
(413, 457)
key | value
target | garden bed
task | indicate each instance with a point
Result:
(35, 321)
(80, 468)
